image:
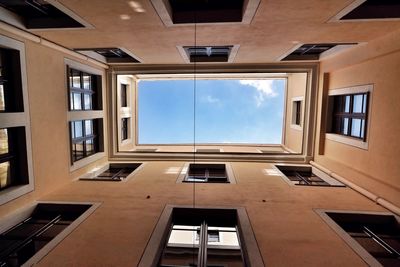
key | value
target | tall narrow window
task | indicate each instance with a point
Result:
(124, 129)
(124, 98)
(85, 138)
(296, 112)
(83, 90)
(349, 115)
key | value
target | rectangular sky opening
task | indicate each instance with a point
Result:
(211, 111)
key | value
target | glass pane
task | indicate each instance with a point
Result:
(345, 126)
(71, 101)
(183, 235)
(226, 251)
(3, 141)
(347, 103)
(364, 103)
(2, 103)
(88, 127)
(356, 127)
(86, 81)
(362, 128)
(89, 147)
(77, 101)
(124, 102)
(76, 79)
(87, 98)
(78, 129)
(72, 130)
(357, 103)
(5, 174)
(78, 151)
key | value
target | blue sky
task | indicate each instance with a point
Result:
(226, 111)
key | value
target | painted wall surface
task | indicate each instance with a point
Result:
(287, 229)
(377, 168)
(296, 88)
(48, 103)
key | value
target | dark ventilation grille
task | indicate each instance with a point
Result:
(112, 55)
(205, 11)
(39, 14)
(311, 51)
(375, 9)
(208, 53)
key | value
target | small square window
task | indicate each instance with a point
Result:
(305, 175)
(375, 234)
(207, 173)
(296, 112)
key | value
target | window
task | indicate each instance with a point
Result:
(210, 172)
(84, 90)
(85, 138)
(124, 129)
(40, 14)
(350, 115)
(296, 111)
(13, 161)
(202, 237)
(313, 51)
(115, 173)
(376, 235)
(85, 114)
(306, 176)
(124, 95)
(110, 55)
(16, 174)
(372, 9)
(26, 239)
(177, 12)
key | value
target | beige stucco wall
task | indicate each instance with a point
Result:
(48, 104)
(377, 168)
(296, 87)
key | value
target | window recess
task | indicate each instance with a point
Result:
(305, 175)
(202, 237)
(207, 173)
(374, 236)
(115, 173)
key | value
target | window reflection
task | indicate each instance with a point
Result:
(2, 102)
(5, 174)
(3, 141)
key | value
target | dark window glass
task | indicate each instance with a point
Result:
(207, 173)
(11, 99)
(296, 119)
(349, 115)
(19, 243)
(13, 162)
(115, 173)
(84, 90)
(124, 99)
(124, 129)
(85, 138)
(377, 234)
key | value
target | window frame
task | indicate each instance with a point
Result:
(183, 174)
(18, 119)
(350, 241)
(345, 139)
(297, 113)
(251, 252)
(81, 115)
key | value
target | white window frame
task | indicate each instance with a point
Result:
(367, 88)
(126, 112)
(75, 115)
(19, 119)
(293, 124)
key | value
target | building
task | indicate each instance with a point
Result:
(68, 100)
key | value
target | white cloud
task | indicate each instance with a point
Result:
(210, 99)
(263, 87)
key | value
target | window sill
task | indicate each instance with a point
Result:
(14, 192)
(347, 140)
(296, 127)
(85, 161)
